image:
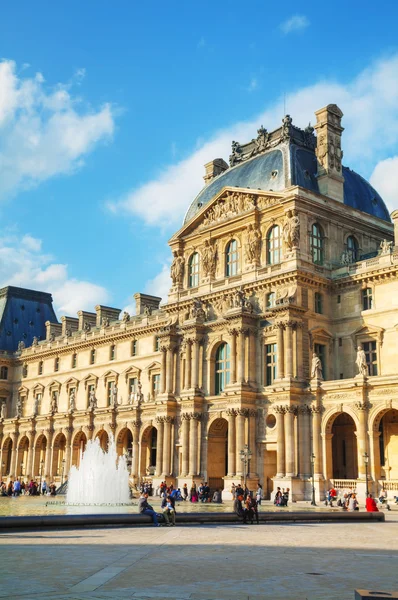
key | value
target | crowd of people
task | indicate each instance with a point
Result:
(27, 488)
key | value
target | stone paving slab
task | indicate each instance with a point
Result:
(297, 561)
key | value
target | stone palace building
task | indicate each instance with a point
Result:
(280, 333)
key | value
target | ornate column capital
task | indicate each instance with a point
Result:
(291, 410)
(317, 410)
(196, 416)
(278, 325)
(304, 410)
(136, 424)
(252, 412)
(242, 412)
(159, 420)
(279, 409)
(168, 419)
(230, 412)
(362, 406)
(185, 416)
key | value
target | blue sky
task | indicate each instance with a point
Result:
(108, 112)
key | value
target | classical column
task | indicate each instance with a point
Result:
(185, 444)
(31, 454)
(304, 442)
(289, 440)
(134, 459)
(68, 449)
(375, 456)
(169, 370)
(188, 365)
(231, 416)
(159, 446)
(167, 445)
(252, 357)
(252, 443)
(316, 440)
(280, 441)
(163, 371)
(194, 443)
(362, 408)
(241, 415)
(233, 333)
(14, 454)
(195, 364)
(49, 453)
(328, 455)
(299, 350)
(241, 363)
(280, 351)
(289, 349)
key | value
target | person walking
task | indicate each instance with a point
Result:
(259, 494)
(185, 491)
(144, 508)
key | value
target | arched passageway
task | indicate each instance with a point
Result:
(79, 446)
(217, 453)
(388, 442)
(148, 451)
(39, 456)
(344, 448)
(6, 457)
(103, 439)
(58, 458)
(22, 458)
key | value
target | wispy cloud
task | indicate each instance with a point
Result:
(253, 85)
(44, 131)
(24, 264)
(201, 43)
(295, 23)
(370, 106)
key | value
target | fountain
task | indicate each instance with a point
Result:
(101, 479)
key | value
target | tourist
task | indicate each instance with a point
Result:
(9, 488)
(146, 509)
(383, 496)
(44, 487)
(185, 491)
(239, 491)
(251, 509)
(238, 508)
(16, 488)
(53, 489)
(168, 509)
(353, 503)
(285, 497)
(217, 497)
(371, 505)
(259, 494)
(201, 492)
(233, 491)
(193, 495)
(278, 497)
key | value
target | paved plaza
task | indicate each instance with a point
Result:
(212, 562)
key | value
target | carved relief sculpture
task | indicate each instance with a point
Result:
(385, 247)
(19, 407)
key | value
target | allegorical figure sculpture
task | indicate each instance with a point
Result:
(114, 401)
(291, 230)
(177, 268)
(209, 259)
(316, 367)
(3, 410)
(253, 244)
(54, 403)
(72, 400)
(36, 406)
(361, 362)
(92, 400)
(19, 407)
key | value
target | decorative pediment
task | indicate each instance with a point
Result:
(373, 331)
(154, 366)
(110, 375)
(38, 389)
(4, 392)
(90, 379)
(72, 382)
(55, 386)
(132, 372)
(229, 203)
(23, 391)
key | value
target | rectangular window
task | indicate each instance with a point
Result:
(132, 385)
(112, 352)
(92, 356)
(270, 363)
(340, 342)
(56, 364)
(155, 385)
(370, 349)
(4, 373)
(338, 299)
(109, 390)
(40, 368)
(318, 303)
(134, 348)
(74, 361)
(367, 299)
(320, 350)
(157, 344)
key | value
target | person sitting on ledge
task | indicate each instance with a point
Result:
(217, 497)
(168, 510)
(146, 509)
(371, 504)
(238, 508)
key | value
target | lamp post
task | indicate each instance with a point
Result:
(3, 468)
(22, 468)
(313, 503)
(366, 461)
(63, 470)
(41, 473)
(245, 456)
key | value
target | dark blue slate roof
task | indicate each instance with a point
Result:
(269, 172)
(23, 314)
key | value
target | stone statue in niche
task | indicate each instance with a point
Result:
(114, 401)
(54, 403)
(253, 244)
(177, 268)
(361, 362)
(209, 259)
(72, 400)
(19, 407)
(36, 406)
(92, 400)
(3, 410)
(291, 230)
(316, 367)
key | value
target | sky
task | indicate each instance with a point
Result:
(109, 110)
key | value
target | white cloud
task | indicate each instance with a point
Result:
(370, 106)
(44, 131)
(160, 285)
(24, 265)
(295, 23)
(385, 180)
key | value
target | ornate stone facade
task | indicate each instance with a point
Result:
(266, 340)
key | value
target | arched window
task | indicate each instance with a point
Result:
(193, 270)
(317, 244)
(352, 248)
(274, 245)
(231, 258)
(223, 367)
(270, 300)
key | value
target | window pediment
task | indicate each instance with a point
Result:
(365, 331)
(132, 372)
(38, 389)
(111, 375)
(72, 382)
(90, 379)
(55, 386)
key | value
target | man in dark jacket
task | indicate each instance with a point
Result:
(238, 508)
(146, 509)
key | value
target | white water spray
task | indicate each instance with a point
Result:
(101, 478)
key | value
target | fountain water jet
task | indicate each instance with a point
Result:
(101, 478)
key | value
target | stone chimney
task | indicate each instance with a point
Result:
(86, 317)
(69, 323)
(143, 300)
(394, 218)
(328, 151)
(105, 313)
(53, 330)
(214, 168)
